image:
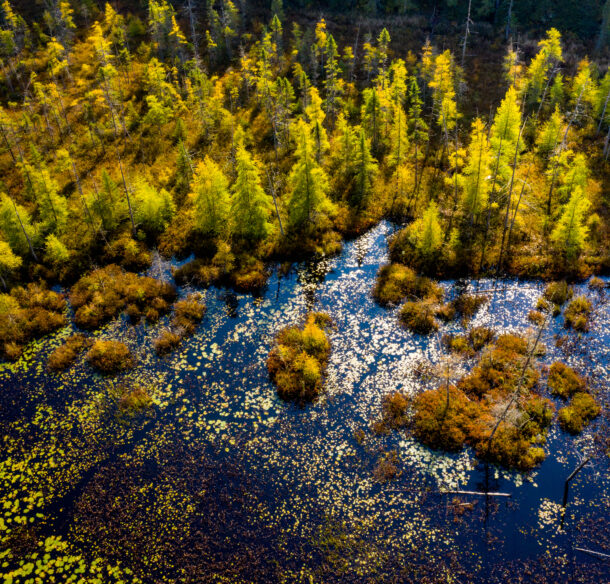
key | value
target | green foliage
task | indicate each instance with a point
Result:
(582, 410)
(564, 381)
(571, 231)
(308, 202)
(210, 192)
(15, 225)
(56, 253)
(154, 208)
(251, 206)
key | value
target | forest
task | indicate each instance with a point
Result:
(164, 166)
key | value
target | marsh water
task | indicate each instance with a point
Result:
(220, 481)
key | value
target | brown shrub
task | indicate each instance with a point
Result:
(110, 357)
(65, 355)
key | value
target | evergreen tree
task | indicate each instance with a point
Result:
(251, 206)
(211, 199)
(427, 233)
(399, 141)
(154, 208)
(16, 226)
(476, 179)
(571, 230)
(315, 116)
(365, 171)
(308, 184)
(108, 204)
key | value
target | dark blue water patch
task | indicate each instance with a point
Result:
(213, 395)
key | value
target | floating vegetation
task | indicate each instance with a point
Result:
(110, 357)
(26, 314)
(297, 363)
(106, 292)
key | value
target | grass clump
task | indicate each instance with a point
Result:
(110, 357)
(105, 293)
(27, 314)
(133, 401)
(579, 413)
(469, 344)
(65, 355)
(558, 293)
(187, 314)
(418, 317)
(564, 381)
(166, 342)
(396, 282)
(394, 411)
(297, 363)
(577, 314)
(443, 418)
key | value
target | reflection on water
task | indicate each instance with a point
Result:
(309, 475)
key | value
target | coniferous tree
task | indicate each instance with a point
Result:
(251, 206)
(476, 178)
(571, 230)
(365, 167)
(211, 199)
(308, 184)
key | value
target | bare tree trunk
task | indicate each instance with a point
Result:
(466, 33)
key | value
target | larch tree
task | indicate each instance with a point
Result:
(571, 231)
(427, 232)
(211, 199)
(108, 204)
(399, 140)
(315, 116)
(16, 226)
(308, 184)
(9, 262)
(476, 177)
(154, 208)
(365, 167)
(251, 207)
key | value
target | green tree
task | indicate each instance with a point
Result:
(399, 141)
(16, 226)
(476, 178)
(52, 207)
(427, 232)
(571, 230)
(108, 204)
(211, 198)
(56, 253)
(153, 208)
(365, 170)
(251, 206)
(9, 262)
(308, 183)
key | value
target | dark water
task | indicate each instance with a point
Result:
(223, 480)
